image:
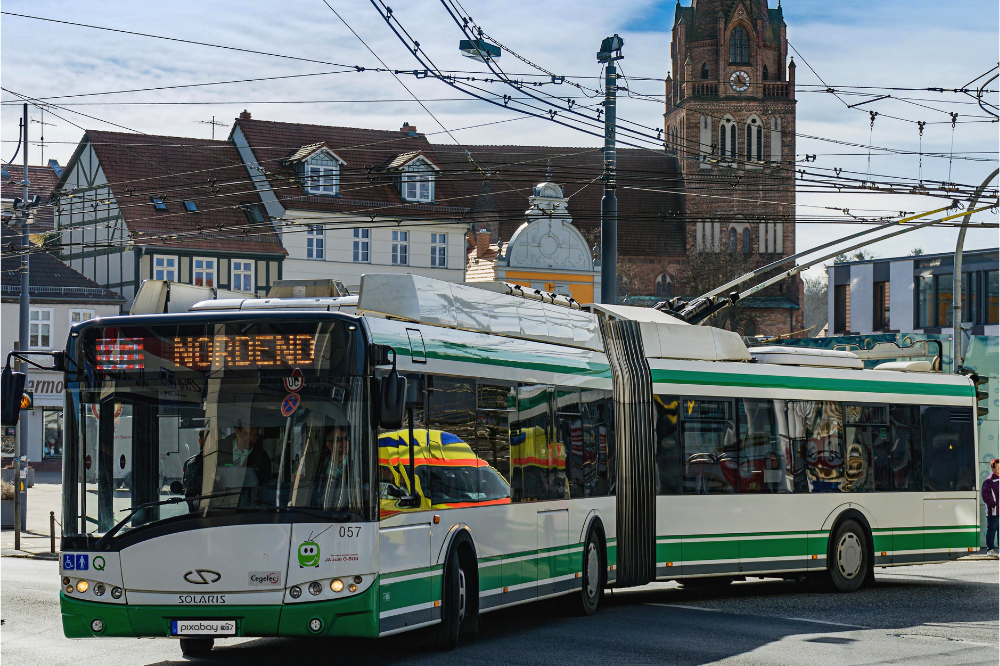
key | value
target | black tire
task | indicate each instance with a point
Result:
(849, 559)
(195, 648)
(594, 574)
(454, 600)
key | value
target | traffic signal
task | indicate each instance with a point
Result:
(12, 396)
(981, 408)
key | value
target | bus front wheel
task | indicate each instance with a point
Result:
(196, 647)
(459, 610)
(849, 560)
(593, 574)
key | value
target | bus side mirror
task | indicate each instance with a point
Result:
(392, 401)
(11, 395)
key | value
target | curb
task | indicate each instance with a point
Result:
(26, 555)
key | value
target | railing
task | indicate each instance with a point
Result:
(77, 292)
(704, 90)
(776, 90)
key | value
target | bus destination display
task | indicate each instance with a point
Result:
(244, 352)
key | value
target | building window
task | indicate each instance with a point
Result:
(79, 315)
(400, 248)
(190, 206)
(242, 275)
(165, 268)
(992, 309)
(52, 433)
(746, 240)
(252, 211)
(704, 70)
(754, 140)
(880, 305)
(439, 250)
(418, 182)
(732, 240)
(40, 328)
(841, 308)
(204, 272)
(925, 301)
(322, 174)
(315, 242)
(728, 147)
(739, 47)
(158, 203)
(663, 286)
(362, 246)
(763, 74)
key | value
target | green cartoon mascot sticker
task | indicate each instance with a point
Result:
(308, 554)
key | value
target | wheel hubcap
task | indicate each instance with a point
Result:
(850, 553)
(461, 595)
(592, 570)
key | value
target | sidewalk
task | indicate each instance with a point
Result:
(45, 496)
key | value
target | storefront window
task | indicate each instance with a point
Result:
(52, 433)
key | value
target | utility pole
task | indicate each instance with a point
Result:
(957, 355)
(611, 51)
(23, 334)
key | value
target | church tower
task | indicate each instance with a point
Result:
(730, 120)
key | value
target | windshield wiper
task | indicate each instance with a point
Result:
(136, 509)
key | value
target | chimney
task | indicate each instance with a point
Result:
(245, 115)
(791, 78)
(408, 129)
(482, 242)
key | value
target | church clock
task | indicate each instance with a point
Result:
(739, 81)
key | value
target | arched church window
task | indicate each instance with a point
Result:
(763, 74)
(754, 140)
(746, 241)
(750, 328)
(739, 46)
(732, 240)
(663, 286)
(732, 141)
(704, 70)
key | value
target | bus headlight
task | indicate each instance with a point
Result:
(295, 592)
(315, 589)
(116, 592)
(336, 585)
(81, 586)
(99, 589)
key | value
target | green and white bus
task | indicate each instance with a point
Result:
(427, 452)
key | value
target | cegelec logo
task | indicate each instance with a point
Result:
(264, 578)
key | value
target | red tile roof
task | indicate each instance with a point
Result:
(178, 169)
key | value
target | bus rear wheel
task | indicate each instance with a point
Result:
(196, 647)
(849, 560)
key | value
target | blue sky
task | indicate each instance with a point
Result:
(891, 43)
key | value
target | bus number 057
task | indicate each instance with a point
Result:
(350, 531)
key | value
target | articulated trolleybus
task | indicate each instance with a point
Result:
(426, 452)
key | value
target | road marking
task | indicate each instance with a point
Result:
(835, 624)
(698, 608)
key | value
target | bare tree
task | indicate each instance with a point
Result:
(814, 309)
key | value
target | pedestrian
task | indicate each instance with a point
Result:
(991, 497)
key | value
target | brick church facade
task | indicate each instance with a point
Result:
(730, 121)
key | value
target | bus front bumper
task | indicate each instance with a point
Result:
(352, 616)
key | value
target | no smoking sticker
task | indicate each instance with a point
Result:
(290, 404)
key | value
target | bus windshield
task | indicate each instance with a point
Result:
(212, 419)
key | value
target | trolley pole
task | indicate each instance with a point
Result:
(958, 354)
(24, 313)
(611, 51)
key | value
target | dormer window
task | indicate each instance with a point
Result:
(322, 175)
(417, 182)
(317, 168)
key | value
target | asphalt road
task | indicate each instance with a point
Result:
(933, 614)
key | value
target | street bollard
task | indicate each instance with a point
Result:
(52, 532)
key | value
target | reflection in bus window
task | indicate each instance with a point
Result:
(866, 448)
(763, 456)
(596, 456)
(816, 431)
(709, 444)
(669, 455)
(538, 459)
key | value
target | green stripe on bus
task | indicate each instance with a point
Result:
(697, 377)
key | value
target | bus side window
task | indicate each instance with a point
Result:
(816, 437)
(597, 434)
(451, 409)
(669, 453)
(538, 468)
(708, 436)
(948, 448)
(904, 447)
(496, 404)
(763, 462)
(866, 448)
